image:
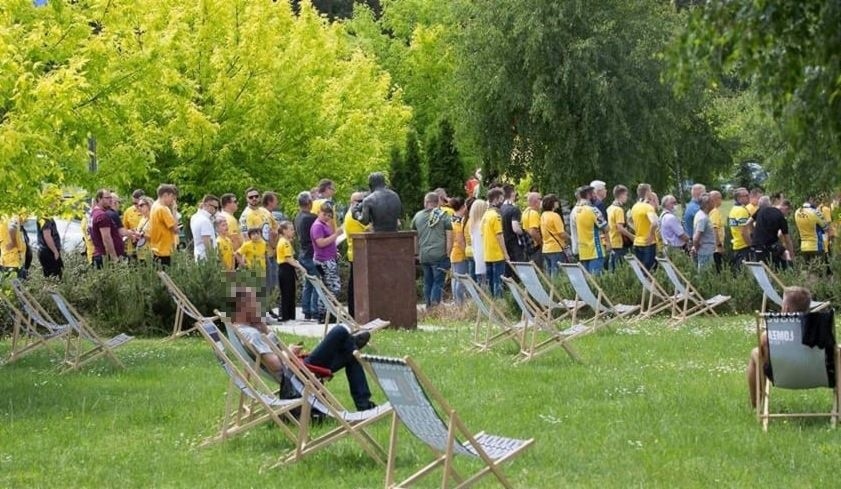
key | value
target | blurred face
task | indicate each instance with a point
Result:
(622, 198)
(222, 227)
(168, 199)
(232, 206)
(249, 308)
(601, 193)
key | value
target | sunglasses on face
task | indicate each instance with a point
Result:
(251, 197)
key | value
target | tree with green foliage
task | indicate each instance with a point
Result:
(443, 162)
(571, 91)
(788, 52)
(408, 176)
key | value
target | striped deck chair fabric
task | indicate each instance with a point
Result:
(604, 311)
(184, 308)
(498, 326)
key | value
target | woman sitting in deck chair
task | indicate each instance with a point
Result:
(335, 352)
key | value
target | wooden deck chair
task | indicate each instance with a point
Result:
(337, 310)
(540, 288)
(85, 345)
(540, 319)
(654, 299)
(795, 365)
(414, 400)
(183, 307)
(687, 302)
(604, 310)
(766, 279)
(31, 329)
(249, 401)
(498, 326)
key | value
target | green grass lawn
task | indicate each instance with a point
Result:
(649, 407)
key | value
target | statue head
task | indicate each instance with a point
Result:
(376, 180)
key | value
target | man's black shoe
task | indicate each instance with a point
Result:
(361, 339)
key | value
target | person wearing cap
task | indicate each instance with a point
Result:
(325, 252)
(599, 195)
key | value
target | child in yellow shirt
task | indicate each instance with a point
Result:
(286, 270)
(224, 245)
(252, 253)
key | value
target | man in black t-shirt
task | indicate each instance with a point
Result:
(303, 222)
(770, 240)
(511, 226)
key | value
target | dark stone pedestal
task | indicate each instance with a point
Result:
(384, 278)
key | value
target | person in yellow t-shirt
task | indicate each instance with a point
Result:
(163, 227)
(287, 270)
(85, 224)
(531, 225)
(591, 227)
(252, 253)
(444, 202)
(737, 221)
(718, 227)
(352, 226)
(811, 226)
(229, 207)
(646, 223)
(131, 218)
(142, 248)
(458, 256)
(829, 234)
(493, 246)
(12, 246)
(554, 234)
(224, 245)
(618, 232)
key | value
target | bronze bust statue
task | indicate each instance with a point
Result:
(382, 208)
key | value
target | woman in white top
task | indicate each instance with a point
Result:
(477, 210)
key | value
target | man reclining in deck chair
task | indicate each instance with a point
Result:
(335, 352)
(795, 299)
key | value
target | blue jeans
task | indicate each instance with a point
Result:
(433, 281)
(552, 260)
(309, 297)
(647, 255)
(594, 266)
(704, 261)
(271, 277)
(617, 257)
(495, 271)
(336, 352)
(458, 290)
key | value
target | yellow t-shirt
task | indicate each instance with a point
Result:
(259, 218)
(587, 232)
(161, 237)
(233, 225)
(144, 252)
(225, 248)
(457, 254)
(468, 238)
(131, 218)
(13, 257)
(253, 254)
(551, 228)
(642, 225)
(449, 210)
(810, 225)
(718, 225)
(351, 226)
(284, 250)
(751, 208)
(86, 237)
(615, 215)
(738, 217)
(829, 232)
(491, 227)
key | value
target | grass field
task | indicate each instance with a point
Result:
(649, 407)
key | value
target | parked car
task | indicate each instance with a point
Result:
(69, 230)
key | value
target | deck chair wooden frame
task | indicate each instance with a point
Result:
(414, 399)
(498, 326)
(540, 288)
(605, 312)
(687, 301)
(77, 353)
(795, 367)
(249, 402)
(30, 329)
(654, 298)
(337, 310)
(767, 280)
(538, 319)
(183, 307)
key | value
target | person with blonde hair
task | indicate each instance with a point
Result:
(473, 228)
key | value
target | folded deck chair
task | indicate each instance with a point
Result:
(767, 280)
(654, 297)
(183, 307)
(337, 310)
(687, 301)
(795, 365)
(604, 311)
(540, 288)
(249, 401)
(85, 345)
(31, 329)
(498, 326)
(414, 400)
(539, 319)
